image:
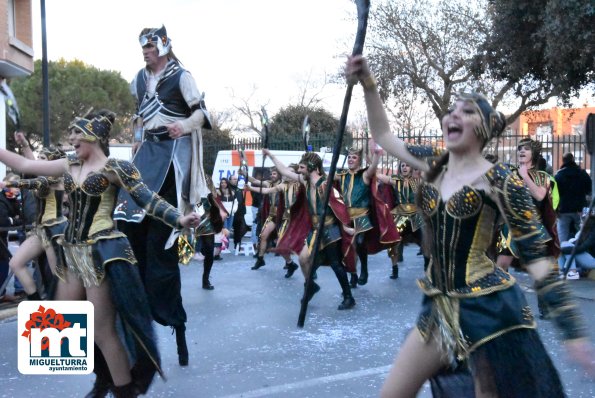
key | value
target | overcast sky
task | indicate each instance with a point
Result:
(225, 44)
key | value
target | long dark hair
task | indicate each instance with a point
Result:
(228, 188)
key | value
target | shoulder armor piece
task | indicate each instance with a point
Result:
(125, 170)
(541, 178)
(424, 151)
(523, 220)
(498, 174)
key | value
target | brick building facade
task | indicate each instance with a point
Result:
(16, 38)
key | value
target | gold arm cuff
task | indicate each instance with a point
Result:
(369, 82)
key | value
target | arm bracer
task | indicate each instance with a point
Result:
(524, 222)
(154, 205)
(39, 184)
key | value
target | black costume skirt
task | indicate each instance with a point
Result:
(514, 365)
(134, 322)
(490, 339)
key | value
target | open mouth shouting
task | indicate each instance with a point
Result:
(454, 131)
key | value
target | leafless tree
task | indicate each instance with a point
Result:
(246, 114)
(310, 90)
(434, 47)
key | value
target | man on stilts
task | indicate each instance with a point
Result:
(170, 115)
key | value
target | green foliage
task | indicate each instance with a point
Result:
(548, 41)
(74, 88)
(519, 53)
(286, 128)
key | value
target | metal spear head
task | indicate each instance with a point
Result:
(306, 133)
(12, 108)
(265, 126)
(243, 161)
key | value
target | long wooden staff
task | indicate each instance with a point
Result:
(363, 7)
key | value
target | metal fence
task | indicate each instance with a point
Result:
(506, 147)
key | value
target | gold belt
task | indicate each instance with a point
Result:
(355, 212)
(328, 220)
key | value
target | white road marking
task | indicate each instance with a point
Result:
(261, 392)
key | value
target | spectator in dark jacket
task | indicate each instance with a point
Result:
(239, 224)
(574, 185)
(9, 217)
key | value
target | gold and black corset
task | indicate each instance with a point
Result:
(91, 239)
(91, 206)
(49, 200)
(462, 230)
(468, 299)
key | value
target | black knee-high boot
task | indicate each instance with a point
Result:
(103, 379)
(259, 262)
(181, 343)
(208, 246)
(395, 274)
(125, 391)
(33, 296)
(348, 300)
(353, 280)
(362, 253)
(400, 252)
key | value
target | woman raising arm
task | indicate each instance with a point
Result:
(97, 261)
(473, 312)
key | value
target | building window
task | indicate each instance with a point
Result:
(544, 130)
(578, 129)
(12, 32)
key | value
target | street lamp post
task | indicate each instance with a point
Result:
(45, 79)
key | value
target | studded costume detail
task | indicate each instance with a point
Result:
(545, 211)
(91, 239)
(468, 299)
(50, 223)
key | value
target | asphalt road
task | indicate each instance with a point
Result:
(244, 341)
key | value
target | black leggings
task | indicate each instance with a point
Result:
(362, 252)
(332, 254)
(207, 246)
